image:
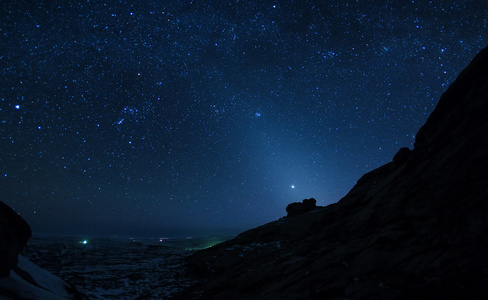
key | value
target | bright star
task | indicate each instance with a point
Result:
(292, 186)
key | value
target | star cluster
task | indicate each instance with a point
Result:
(158, 116)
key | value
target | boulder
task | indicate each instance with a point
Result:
(14, 233)
(297, 208)
(20, 278)
(402, 156)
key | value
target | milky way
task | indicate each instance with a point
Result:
(158, 118)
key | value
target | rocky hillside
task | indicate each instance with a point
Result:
(415, 228)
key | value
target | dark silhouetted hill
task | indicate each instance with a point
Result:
(415, 228)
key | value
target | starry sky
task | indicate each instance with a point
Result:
(180, 117)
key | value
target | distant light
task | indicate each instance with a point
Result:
(17, 106)
(84, 242)
(292, 186)
(257, 115)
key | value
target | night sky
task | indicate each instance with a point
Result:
(204, 117)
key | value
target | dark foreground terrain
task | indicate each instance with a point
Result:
(415, 228)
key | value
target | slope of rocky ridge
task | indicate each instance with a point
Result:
(415, 228)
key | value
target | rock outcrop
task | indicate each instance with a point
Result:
(20, 278)
(14, 233)
(297, 208)
(415, 228)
